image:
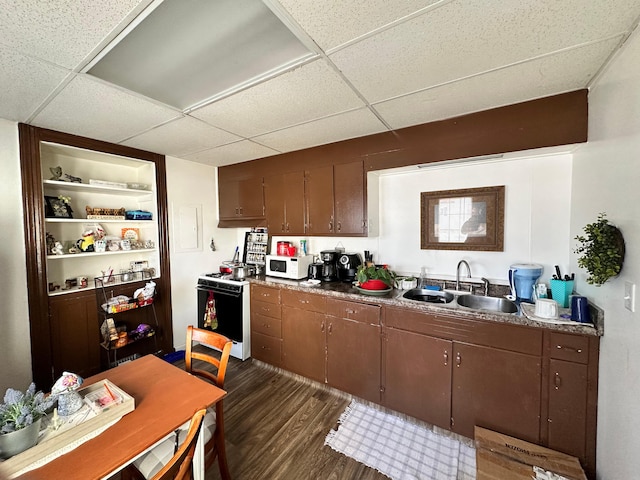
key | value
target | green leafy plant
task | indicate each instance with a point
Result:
(20, 410)
(600, 250)
(372, 272)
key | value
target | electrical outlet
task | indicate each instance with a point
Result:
(630, 296)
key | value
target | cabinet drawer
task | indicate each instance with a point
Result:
(564, 346)
(266, 349)
(267, 309)
(354, 311)
(305, 301)
(265, 294)
(266, 325)
(468, 330)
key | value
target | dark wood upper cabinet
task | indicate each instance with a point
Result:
(350, 199)
(284, 203)
(319, 200)
(241, 198)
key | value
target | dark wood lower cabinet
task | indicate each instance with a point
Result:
(75, 334)
(303, 342)
(353, 357)
(418, 376)
(451, 371)
(495, 389)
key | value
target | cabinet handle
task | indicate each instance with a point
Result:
(282, 229)
(446, 358)
(330, 226)
(565, 347)
(240, 210)
(339, 226)
(322, 327)
(304, 302)
(330, 328)
(348, 311)
(287, 226)
(458, 359)
(557, 381)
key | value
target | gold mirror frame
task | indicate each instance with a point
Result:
(465, 219)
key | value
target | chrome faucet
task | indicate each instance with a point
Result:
(462, 262)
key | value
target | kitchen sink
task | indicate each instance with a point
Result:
(494, 304)
(430, 296)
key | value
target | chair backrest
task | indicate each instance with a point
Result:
(180, 465)
(212, 339)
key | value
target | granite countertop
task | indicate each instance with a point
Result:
(347, 291)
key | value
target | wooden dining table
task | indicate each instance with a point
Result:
(165, 398)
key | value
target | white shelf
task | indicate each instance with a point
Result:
(94, 254)
(85, 187)
(91, 220)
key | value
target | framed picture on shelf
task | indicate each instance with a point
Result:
(55, 207)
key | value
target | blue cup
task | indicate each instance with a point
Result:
(580, 309)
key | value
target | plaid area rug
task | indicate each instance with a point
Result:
(400, 449)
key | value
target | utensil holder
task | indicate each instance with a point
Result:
(561, 290)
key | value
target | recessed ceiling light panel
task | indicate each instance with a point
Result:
(187, 51)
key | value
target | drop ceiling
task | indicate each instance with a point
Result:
(374, 66)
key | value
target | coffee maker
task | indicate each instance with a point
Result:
(329, 269)
(347, 266)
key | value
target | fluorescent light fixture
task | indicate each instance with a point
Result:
(458, 161)
(187, 51)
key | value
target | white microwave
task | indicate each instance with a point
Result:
(294, 268)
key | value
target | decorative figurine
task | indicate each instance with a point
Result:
(57, 173)
(69, 400)
(73, 179)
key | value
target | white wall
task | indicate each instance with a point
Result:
(606, 177)
(192, 184)
(15, 345)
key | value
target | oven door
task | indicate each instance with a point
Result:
(228, 311)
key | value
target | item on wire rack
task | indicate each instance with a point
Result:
(142, 331)
(144, 295)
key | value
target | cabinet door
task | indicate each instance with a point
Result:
(319, 199)
(274, 200)
(294, 203)
(495, 389)
(241, 198)
(250, 198)
(353, 357)
(568, 385)
(348, 182)
(303, 342)
(75, 334)
(228, 198)
(418, 376)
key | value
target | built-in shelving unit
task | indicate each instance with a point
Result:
(64, 269)
(64, 323)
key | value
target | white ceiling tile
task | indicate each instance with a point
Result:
(463, 38)
(181, 136)
(93, 109)
(25, 84)
(335, 22)
(62, 31)
(347, 125)
(565, 71)
(242, 151)
(312, 91)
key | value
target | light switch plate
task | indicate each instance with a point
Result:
(630, 296)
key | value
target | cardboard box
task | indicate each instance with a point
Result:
(56, 443)
(500, 457)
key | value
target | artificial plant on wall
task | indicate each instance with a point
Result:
(600, 250)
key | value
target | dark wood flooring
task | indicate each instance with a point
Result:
(275, 427)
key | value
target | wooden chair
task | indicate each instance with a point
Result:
(180, 466)
(213, 424)
(215, 445)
